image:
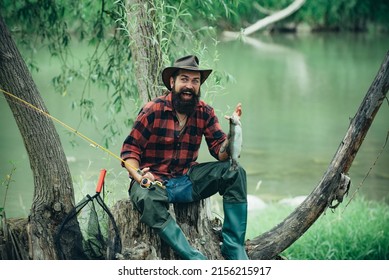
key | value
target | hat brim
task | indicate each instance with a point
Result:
(169, 71)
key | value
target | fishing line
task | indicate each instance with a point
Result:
(82, 136)
(371, 167)
(368, 173)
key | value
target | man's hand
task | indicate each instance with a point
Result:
(224, 152)
(146, 174)
(238, 110)
(132, 165)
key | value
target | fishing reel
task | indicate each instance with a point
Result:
(150, 185)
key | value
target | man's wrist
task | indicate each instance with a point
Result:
(225, 148)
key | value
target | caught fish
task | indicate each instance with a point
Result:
(236, 140)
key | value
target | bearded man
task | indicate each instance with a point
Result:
(163, 146)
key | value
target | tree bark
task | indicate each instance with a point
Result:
(145, 50)
(53, 192)
(330, 188)
(262, 23)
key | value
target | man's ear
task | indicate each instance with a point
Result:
(171, 82)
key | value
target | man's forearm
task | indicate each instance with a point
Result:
(132, 165)
(224, 152)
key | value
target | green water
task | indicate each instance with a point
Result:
(298, 95)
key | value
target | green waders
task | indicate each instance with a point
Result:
(209, 178)
(172, 234)
(202, 181)
(234, 231)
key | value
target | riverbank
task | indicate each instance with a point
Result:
(357, 231)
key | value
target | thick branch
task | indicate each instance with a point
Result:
(271, 243)
(263, 10)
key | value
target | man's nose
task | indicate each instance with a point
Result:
(189, 85)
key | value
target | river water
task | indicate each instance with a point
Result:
(298, 94)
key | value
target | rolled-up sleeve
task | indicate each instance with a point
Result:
(213, 133)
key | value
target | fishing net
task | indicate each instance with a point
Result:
(89, 231)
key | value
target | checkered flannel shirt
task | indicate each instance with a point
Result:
(156, 142)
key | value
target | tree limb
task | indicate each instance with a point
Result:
(263, 10)
(262, 23)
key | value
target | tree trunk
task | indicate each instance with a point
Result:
(145, 49)
(332, 186)
(53, 192)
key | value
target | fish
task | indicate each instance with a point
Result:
(235, 139)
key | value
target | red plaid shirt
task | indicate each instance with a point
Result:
(156, 142)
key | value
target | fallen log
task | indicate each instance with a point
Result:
(262, 23)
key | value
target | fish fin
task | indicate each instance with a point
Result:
(234, 165)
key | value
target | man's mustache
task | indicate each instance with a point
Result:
(187, 90)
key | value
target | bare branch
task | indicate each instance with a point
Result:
(262, 23)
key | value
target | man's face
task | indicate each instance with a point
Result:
(186, 91)
(187, 82)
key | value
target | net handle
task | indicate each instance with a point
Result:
(100, 182)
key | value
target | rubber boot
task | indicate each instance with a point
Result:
(175, 238)
(234, 231)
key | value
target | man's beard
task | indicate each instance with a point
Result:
(185, 106)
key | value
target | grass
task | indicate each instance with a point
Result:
(359, 231)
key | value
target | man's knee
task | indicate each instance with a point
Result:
(236, 185)
(151, 204)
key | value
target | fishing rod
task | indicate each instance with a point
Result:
(144, 182)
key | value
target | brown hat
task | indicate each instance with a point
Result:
(190, 63)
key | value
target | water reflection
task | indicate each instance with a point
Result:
(294, 61)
